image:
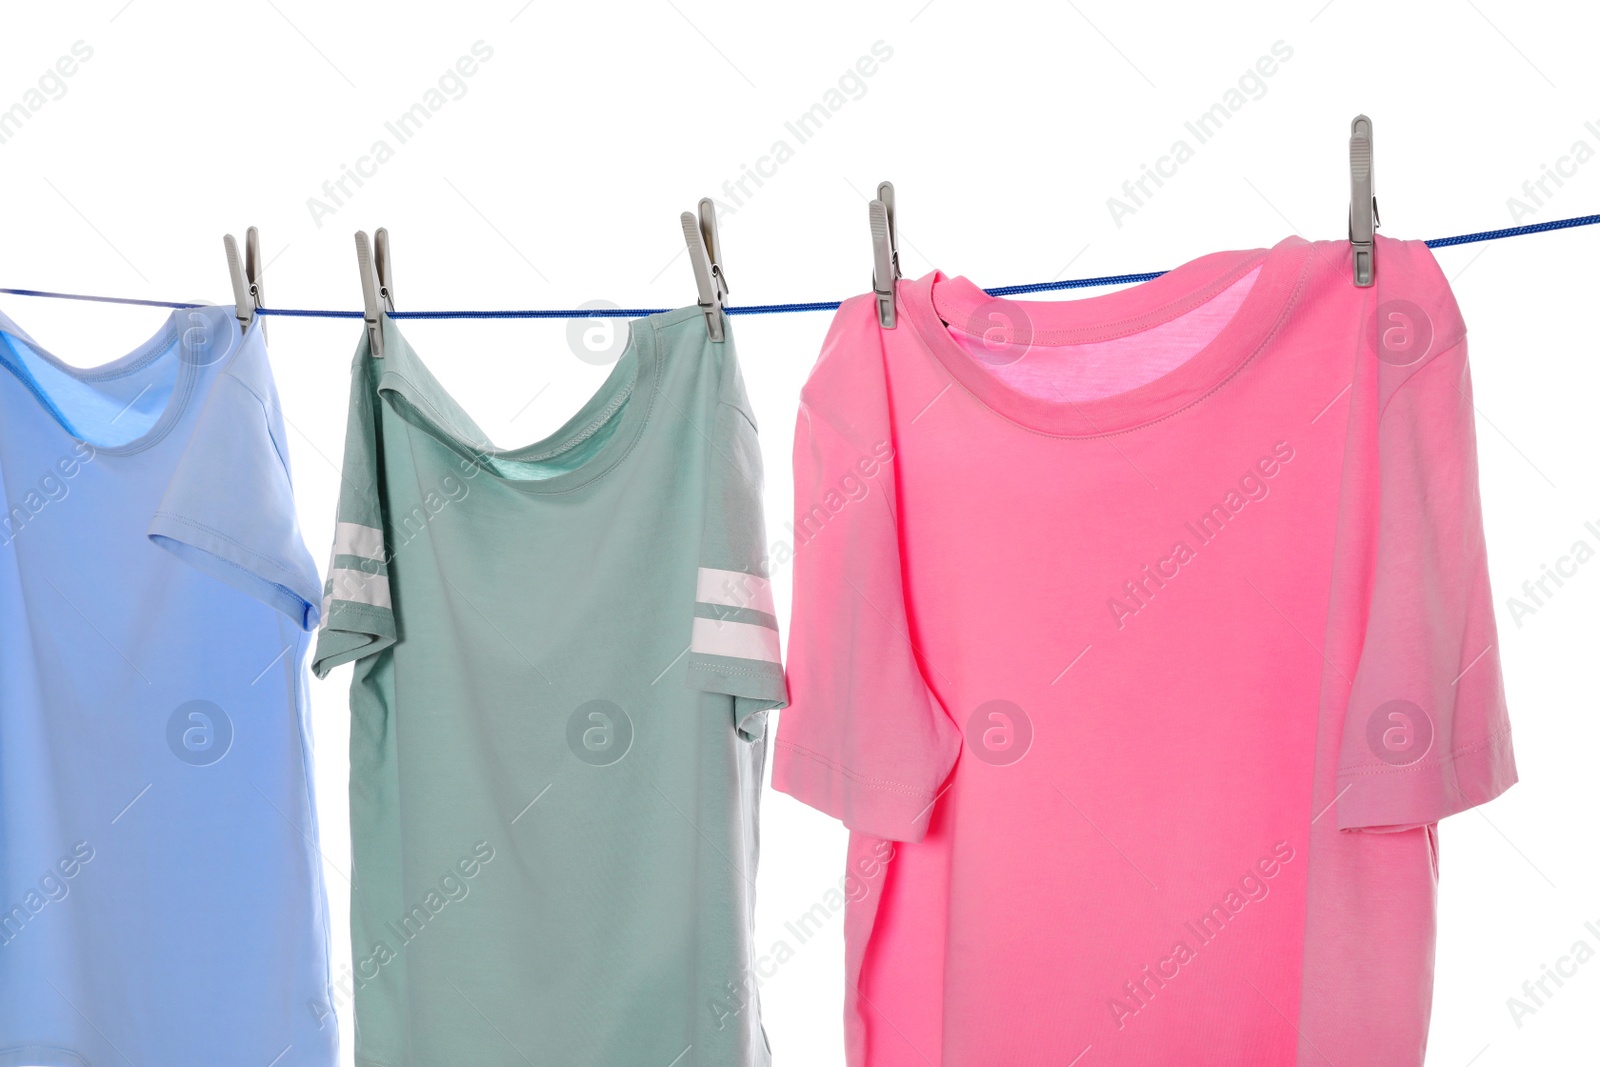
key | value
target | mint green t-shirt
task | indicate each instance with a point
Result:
(564, 655)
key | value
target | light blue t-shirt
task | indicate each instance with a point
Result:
(161, 898)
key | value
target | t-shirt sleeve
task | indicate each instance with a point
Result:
(734, 647)
(1426, 732)
(228, 509)
(357, 609)
(864, 738)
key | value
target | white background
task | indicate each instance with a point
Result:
(558, 177)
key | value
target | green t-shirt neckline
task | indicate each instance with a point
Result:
(586, 447)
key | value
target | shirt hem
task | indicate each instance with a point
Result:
(756, 688)
(41, 1056)
(350, 632)
(874, 806)
(262, 577)
(1472, 775)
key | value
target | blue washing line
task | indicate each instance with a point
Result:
(768, 309)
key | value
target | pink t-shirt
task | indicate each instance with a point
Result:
(1141, 641)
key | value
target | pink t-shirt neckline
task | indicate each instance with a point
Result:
(936, 299)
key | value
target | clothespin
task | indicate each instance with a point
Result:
(885, 252)
(384, 265)
(705, 256)
(377, 294)
(1364, 220)
(247, 295)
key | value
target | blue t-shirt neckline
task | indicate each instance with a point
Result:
(193, 338)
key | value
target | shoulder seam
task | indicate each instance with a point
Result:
(1433, 361)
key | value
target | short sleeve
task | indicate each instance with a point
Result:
(864, 738)
(1426, 733)
(357, 610)
(734, 647)
(228, 509)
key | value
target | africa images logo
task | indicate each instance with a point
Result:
(1197, 934)
(199, 733)
(1139, 592)
(999, 733)
(1399, 732)
(599, 733)
(1402, 332)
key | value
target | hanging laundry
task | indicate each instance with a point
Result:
(564, 656)
(1149, 645)
(162, 886)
